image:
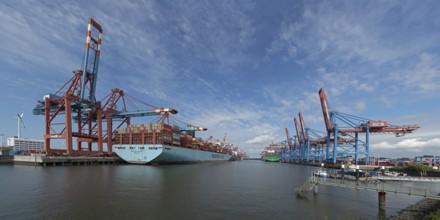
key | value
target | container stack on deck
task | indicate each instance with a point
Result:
(144, 134)
(164, 134)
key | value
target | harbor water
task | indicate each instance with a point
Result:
(225, 190)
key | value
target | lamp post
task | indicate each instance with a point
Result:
(357, 172)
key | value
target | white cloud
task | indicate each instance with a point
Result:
(421, 77)
(360, 106)
(411, 143)
(29, 43)
(262, 139)
(361, 31)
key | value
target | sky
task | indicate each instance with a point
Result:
(244, 68)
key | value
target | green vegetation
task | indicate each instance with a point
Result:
(433, 215)
(6, 149)
(417, 169)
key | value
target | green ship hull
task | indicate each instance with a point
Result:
(272, 159)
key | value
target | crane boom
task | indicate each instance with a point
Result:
(325, 110)
(303, 128)
(144, 113)
(288, 137)
(297, 130)
(90, 75)
(397, 130)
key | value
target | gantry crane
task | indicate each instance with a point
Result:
(115, 109)
(287, 148)
(313, 142)
(298, 148)
(76, 99)
(75, 102)
(338, 123)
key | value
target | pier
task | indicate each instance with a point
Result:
(382, 186)
(375, 184)
(407, 178)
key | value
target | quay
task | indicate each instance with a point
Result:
(6, 160)
(41, 160)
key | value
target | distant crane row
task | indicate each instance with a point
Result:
(346, 136)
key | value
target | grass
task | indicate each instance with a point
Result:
(433, 215)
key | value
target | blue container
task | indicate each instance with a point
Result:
(14, 152)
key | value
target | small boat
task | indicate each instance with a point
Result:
(352, 172)
(320, 173)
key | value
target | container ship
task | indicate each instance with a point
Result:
(271, 154)
(166, 144)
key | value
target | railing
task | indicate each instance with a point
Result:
(407, 178)
(378, 187)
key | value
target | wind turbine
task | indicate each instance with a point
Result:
(20, 122)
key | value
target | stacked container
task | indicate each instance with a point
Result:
(144, 134)
(187, 141)
(166, 134)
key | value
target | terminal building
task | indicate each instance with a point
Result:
(23, 144)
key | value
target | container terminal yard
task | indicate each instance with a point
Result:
(73, 114)
(347, 137)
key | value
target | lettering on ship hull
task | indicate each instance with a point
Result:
(218, 156)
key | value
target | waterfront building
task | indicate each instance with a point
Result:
(428, 159)
(23, 144)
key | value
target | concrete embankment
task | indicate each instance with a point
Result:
(6, 160)
(41, 160)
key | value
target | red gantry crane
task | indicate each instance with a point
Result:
(75, 102)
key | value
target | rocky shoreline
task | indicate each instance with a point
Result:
(418, 210)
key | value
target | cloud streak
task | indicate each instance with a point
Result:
(262, 139)
(411, 143)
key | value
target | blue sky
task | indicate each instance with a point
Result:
(245, 68)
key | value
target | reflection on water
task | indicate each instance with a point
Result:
(229, 190)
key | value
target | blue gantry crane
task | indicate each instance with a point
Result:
(357, 129)
(313, 143)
